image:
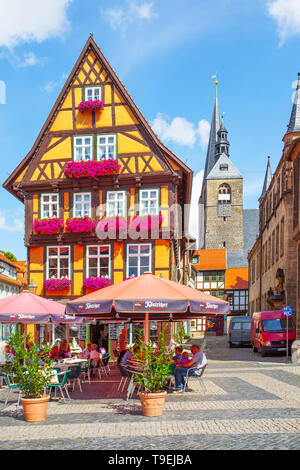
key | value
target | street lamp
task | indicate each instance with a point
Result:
(32, 287)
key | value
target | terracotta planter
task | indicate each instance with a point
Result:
(35, 409)
(152, 403)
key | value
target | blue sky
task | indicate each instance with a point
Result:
(165, 52)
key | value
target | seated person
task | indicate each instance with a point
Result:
(178, 355)
(86, 351)
(195, 363)
(185, 358)
(64, 350)
(54, 354)
(94, 355)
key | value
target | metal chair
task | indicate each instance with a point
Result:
(105, 363)
(124, 378)
(62, 384)
(75, 376)
(11, 386)
(86, 371)
(96, 368)
(199, 376)
(133, 369)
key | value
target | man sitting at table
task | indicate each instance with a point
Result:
(195, 363)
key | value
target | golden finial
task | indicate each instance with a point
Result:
(215, 82)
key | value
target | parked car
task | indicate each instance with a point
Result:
(240, 331)
(268, 332)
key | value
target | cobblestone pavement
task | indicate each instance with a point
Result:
(248, 404)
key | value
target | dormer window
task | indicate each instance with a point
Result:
(224, 167)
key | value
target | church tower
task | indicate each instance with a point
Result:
(221, 199)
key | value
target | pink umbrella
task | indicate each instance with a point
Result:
(29, 308)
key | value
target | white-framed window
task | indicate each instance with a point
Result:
(116, 203)
(149, 202)
(58, 262)
(82, 204)
(138, 259)
(106, 146)
(93, 93)
(83, 148)
(49, 205)
(98, 261)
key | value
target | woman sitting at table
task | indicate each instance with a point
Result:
(86, 352)
(64, 350)
(54, 354)
(94, 355)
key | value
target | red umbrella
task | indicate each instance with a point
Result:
(147, 297)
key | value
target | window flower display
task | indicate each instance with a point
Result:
(48, 226)
(57, 284)
(80, 224)
(96, 283)
(92, 169)
(91, 105)
(146, 222)
(106, 224)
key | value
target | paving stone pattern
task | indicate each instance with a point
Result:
(252, 404)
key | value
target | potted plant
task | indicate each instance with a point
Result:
(32, 368)
(153, 362)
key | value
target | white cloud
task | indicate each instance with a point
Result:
(203, 131)
(287, 15)
(17, 224)
(194, 209)
(122, 17)
(50, 86)
(32, 20)
(181, 131)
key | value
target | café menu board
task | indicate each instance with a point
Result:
(115, 330)
(82, 332)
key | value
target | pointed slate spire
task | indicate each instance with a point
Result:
(213, 138)
(294, 124)
(267, 181)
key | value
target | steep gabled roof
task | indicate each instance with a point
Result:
(165, 153)
(294, 123)
(231, 172)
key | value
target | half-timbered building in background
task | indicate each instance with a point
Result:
(150, 179)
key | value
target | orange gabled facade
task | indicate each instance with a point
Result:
(150, 180)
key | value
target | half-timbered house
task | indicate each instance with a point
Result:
(94, 119)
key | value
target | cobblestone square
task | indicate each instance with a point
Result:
(248, 404)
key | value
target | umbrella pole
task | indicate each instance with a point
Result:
(146, 328)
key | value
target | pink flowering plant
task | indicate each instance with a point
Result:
(146, 222)
(91, 105)
(57, 284)
(92, 169)
(48, 225)
(96, 283)
(80, 224)
(107, 224)
(127, 278)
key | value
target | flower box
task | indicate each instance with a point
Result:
(106, 224)
(91, 105)
(96, 283)
(146, 222)
(57, 284)
(92, 169)
(48, 226)
(80, 224)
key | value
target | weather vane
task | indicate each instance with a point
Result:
(215, 82)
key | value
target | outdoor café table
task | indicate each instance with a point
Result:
(64, 365)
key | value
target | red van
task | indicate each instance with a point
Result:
(268, 332)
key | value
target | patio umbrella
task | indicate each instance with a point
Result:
(147, 297)
(28, 308)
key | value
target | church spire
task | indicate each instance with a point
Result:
(213, 138)
(267, 181)
(294, 124)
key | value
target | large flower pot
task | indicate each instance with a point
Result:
(35, 409)
(152, 403)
